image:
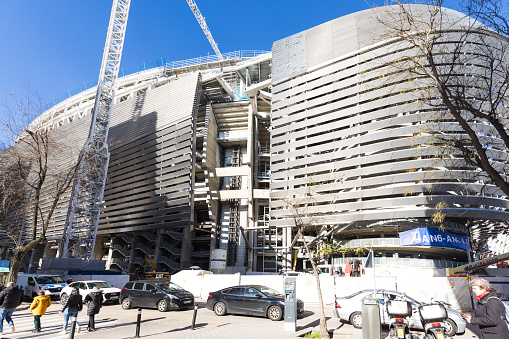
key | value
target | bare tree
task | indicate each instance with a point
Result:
(36, 170)
(304, 221)
(458, 66)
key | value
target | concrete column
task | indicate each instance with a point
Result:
(157, 249)
(37, 254)
(130, 268)
(251, 143)
(98, 248)
(185, 260)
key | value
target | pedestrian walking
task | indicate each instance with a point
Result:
(94, 303)
(38, 308)
(10, 298)
(489, 313)
(73, 305)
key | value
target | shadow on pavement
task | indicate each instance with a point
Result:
(53, 330)
(196, 326)
(312, 324)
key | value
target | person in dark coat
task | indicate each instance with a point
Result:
(94, 303)
(10, 298)
(489, 313)
(72, 306)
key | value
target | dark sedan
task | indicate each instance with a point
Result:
(250, 300)
(163, 295)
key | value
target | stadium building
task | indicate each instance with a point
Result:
(209, 154)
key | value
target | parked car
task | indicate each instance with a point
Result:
(110, 293)
(32, 284)
(163, 295)
(250, 300)
(349, 309)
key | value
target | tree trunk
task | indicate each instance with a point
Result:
(17, 258)
(15, 264)
(324, 333)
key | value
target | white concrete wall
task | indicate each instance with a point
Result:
(451, 290)
(116, 280)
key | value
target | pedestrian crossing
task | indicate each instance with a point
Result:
(51, 324)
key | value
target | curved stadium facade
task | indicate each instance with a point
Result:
(208, 154)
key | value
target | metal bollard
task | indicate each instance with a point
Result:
(73, 326)
(194, 316)
(138, 323)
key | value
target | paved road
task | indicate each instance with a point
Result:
(113, 322)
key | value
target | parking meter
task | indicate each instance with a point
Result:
(371, 322)
(290, 304)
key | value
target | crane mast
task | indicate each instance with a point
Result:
(88, 189)
(204, 27)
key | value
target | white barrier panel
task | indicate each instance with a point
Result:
(451, 290)
(116, 280)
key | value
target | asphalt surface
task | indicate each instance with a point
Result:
(114, 322)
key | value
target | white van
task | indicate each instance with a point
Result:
(32, 284)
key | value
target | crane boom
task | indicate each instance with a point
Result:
(201, 20)
(88, 189)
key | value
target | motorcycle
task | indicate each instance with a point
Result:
(398, 312)
(433, 316)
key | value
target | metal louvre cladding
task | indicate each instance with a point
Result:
(356, 137)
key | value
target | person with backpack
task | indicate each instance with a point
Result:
(38, 308)
(73, 305)
(489, 313)
(94, 303)
(10, 298)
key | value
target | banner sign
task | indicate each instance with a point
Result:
(434, 237)
(4, 265)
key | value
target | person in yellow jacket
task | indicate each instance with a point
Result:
(38, 308)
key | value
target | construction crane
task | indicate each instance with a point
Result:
(204, 27)
(88, 189)
(477, 264)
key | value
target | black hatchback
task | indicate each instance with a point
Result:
(163, 295)
(250, 300)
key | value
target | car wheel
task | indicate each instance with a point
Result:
(34, 295)
(126, 303)
(275, 313)
(356, 319)
(220, 308)
(450, 327)
(162, 306)
(63, 298)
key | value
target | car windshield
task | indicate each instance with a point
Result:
(100, 284)
(269, 292)
(353, 295)
(412, 300)
(169, 286)
(49, 280)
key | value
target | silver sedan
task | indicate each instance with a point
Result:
(349, 309)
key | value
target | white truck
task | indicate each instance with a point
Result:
(32, 284)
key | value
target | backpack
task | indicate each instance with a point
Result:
(505, 316)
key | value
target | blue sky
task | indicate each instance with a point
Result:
(57, 45)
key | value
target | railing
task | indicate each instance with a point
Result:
(143, 248)
(153, 64)
(137, 260)
(376, 242)
(121, 250)
(264, 147)
(409, 262)
(148, 236)
(120, 263)
(168, 262)
(124, 236)
(172, 249)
